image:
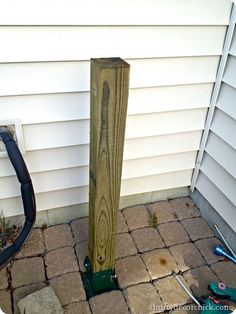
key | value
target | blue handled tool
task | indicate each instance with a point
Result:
(220, 251)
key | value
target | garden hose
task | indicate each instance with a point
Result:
(27, 193)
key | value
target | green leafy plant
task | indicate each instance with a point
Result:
(153, 220)
(4, 223)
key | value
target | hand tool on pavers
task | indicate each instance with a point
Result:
(220, 251)
(210, 305)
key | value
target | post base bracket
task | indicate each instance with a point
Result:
(96, 283)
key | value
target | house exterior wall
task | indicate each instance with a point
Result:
(217, 178)
(173, 48)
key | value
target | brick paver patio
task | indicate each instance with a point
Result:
(146, 259)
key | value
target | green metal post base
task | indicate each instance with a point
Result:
(96, 283)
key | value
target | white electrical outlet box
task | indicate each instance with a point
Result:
(16, 128)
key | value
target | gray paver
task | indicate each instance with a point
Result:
(3, 279)
(184, 208)
(171, 292)
(61, 261)
(125, 245)
(34, 245)
(81, 250)
(206, 247)
(42, 301)
(226, 272)
(110, 302)
(22, 292)
(68, 288)
(122, 226)
(163, 210)
(159, 263)
(58, 236)
(198, 280)
(143, 299)
(197, 228)
(77, 308)
(147, 239)
(131, 270)
(80, 229)
(136, 217)
(187, 256)
(173, 233)
(5, 301)
(27, 271)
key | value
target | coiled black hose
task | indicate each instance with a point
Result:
(27, 193)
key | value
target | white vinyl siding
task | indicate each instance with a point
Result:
(122, 12)
(227, 150)
(134, 149)
(226, 101)
(217, 199)
(75, 106)
(45, 82)
(217, 177)
(71, 196)
(78, 176)
(64, 77)
(229, 76)
(59, 44)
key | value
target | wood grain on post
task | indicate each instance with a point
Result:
(109, 97)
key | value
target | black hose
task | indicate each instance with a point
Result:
(27, 193)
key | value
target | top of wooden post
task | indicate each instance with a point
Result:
(110, 62)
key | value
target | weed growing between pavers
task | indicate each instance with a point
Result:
(154, 220)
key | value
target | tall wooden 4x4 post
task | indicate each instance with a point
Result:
(108, 104)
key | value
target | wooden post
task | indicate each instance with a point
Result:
(109, 97)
